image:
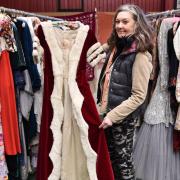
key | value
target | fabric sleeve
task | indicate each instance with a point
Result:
(176, 41)
(141, 71)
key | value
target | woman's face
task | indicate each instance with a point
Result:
(124, 24)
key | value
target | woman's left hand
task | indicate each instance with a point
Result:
(106, 123)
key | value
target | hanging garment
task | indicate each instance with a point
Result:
(7, 33)
(153, 153)
(20, 75)
(8, 104)
(17, 58)
(173, 61)
(173, 70)
(176, 140)
(155, 59)
(155, 23)
(26, 42)
(3, 165)
(63, 113)
(96, 136)
(87, 18)
(44, 166)
(37, 54)
(176, 41)
(176, 135)
(29, 120)
(72, 142)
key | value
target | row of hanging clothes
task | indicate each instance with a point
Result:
(48, 118)
(49, 121)
(157, 145)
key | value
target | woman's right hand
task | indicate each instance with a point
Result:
(106, 123)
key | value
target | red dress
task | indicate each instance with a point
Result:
(8, 107)
(96, 136)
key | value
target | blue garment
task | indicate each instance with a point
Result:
(19, 79)
(26, 41)
(17, 58)
(30, 127)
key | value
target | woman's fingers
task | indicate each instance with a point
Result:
(106, 123)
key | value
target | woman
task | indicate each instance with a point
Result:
(123, 85)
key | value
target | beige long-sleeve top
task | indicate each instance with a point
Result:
(141, 72)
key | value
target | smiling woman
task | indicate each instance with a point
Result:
(124, 24)
(123, 85)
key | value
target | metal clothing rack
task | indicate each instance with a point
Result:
(168, 12)
(18, 12)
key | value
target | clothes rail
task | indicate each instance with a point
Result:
(19, 12)
(168, 12)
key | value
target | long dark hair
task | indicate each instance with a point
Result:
(143, 33)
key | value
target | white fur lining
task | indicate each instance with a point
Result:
(77, 100)
(56, 101)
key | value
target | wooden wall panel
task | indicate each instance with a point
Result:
(69, 5)
(89, 5)
(33, 5)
